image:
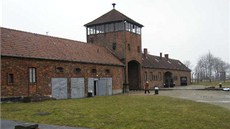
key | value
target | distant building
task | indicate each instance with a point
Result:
(111, 62)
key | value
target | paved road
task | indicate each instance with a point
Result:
(196, 93)
(220, 98)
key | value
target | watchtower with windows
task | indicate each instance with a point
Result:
(122, 36)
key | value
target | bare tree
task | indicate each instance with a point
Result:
(188, 64)
(211, 68)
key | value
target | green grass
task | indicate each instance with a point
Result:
(121, 112)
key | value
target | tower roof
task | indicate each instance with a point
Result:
(112, 16)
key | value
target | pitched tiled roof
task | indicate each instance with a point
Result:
(112, 16)
(23, 44)
(157, 62)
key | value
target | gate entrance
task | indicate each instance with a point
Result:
(183, 81)
(134, 75)
(168, 79)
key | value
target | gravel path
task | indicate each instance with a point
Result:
(196, 93)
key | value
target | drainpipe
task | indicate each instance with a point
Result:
(28, 81)
(125, 66)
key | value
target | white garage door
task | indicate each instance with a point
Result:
(100, 87)
(77, 88)
(59, 88)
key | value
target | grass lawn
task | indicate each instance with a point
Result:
(121, 111)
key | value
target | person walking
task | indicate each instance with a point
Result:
(147, 87)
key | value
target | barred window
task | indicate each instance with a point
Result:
(59, 70)
(32, 75)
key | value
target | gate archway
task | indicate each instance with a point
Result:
(168, 80)
(134, 75)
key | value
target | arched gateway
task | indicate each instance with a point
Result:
(134, 75)
(168, 80)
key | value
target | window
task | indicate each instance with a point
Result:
(151, 76)
(91, 30)
(128, 26)
(109, 27)
(129, 47)
(77, 70)
(99, 29)
(138, 49)
(59, 70)
(156, 60)
(32, 75)
(119, 26)
(107, 71)
(159, 76)
(138, 30)
(10, 78)
(94, 71)
(146, 76)
(114, 45)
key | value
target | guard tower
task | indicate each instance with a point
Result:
(122, 36)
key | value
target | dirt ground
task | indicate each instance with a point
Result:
(196, 93)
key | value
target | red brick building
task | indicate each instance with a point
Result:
(109, 63)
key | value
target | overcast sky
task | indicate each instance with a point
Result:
(184, 29)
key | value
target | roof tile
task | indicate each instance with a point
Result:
(150, 61)
(112, 16)
(23, 44)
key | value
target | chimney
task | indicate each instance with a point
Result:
(160, 55)
(167, 56)
(145, 52)
(114, 4)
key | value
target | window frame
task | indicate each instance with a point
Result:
(59, 70)
(32, 75)
(10, 78)
(145, 76)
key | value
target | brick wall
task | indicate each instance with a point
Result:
(121, 38)
(132, 40)
(45, 70)
(155, 77)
